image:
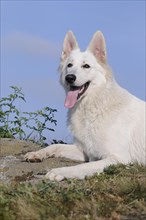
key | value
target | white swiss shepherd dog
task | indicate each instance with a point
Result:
(106, 121)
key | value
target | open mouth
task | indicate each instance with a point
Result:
(74, 94)
(80, 89)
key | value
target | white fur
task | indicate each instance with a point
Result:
(107, 122)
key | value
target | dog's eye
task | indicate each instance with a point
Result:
(70, 65)
(86, 66)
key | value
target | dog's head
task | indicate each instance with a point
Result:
(82, 71)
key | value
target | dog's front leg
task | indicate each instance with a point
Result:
(82, 170)
(56, 150)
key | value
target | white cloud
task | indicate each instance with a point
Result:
(17, 42)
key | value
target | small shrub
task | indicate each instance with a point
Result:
(15, 124)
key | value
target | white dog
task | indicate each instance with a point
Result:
(107, 122)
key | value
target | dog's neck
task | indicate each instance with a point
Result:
(100, 101)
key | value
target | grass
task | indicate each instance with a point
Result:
(118, 193)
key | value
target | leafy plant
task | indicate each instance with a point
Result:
(9, 114)
(39, 121)
(24, 125)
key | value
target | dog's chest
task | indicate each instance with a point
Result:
(86, 129)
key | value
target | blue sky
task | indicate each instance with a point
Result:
(32, 34)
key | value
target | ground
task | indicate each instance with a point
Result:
(15, 169)
(117, 194)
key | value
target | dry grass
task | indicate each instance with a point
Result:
(118, 193)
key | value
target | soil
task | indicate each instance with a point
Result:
(13, 167)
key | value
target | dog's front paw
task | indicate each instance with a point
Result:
(59, 174)
(33, 157)
(55, 174)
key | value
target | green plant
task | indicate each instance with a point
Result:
(39, 121)
(24, 124)
(10, 115)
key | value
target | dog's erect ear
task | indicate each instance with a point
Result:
(97, 47)
(69, 44)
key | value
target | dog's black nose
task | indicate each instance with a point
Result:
(70, 78)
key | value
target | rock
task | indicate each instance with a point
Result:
(13, 167)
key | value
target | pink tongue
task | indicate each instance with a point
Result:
(71, 98)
